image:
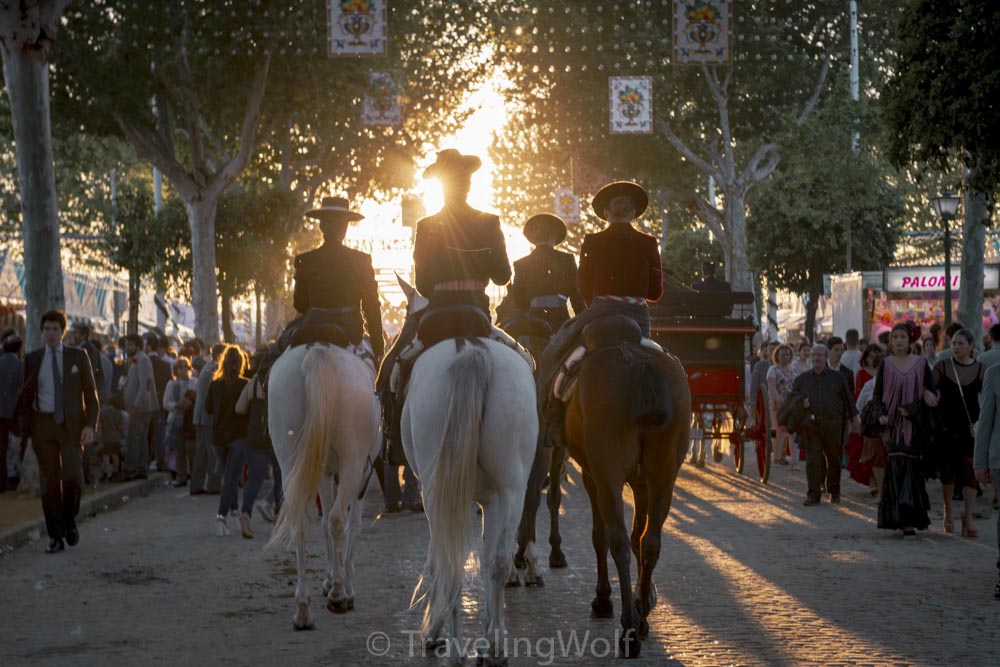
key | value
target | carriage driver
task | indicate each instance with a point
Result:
(620, 271)
(456, 253)
(545, 279)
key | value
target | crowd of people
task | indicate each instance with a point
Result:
(895, 412)
(196, 413)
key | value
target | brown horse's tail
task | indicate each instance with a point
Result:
(651, 395)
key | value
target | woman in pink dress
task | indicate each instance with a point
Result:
(904, 388)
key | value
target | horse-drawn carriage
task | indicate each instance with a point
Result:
(708, 332)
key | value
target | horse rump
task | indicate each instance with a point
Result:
(651, 394)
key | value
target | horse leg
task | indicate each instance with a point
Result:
(338, 600)
(326, 495)
(532, 499)
(303, 619)
(659, 507)
(640, 500)
(498, 528)
(612, 513)
(557, 559)
(601, 606)
(354, 524)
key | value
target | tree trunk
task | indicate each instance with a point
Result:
(204, 284)
(134, 283)
(815, 289)
(259, 333)
(970, 292)
(736, 218)
(275, 316)
(26, 73)
(227, 315)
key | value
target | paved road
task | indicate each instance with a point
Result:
(748, 576)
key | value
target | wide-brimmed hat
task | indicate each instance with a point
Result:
(334, 209)
(451, 163)
(609, 192)
(545, 224)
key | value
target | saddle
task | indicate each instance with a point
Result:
(320, 325)
(615, 332)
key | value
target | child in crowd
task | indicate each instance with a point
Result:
(112, 434)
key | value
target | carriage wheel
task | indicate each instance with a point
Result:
(738, 457)
(763, 449)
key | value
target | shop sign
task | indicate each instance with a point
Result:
(932, 278)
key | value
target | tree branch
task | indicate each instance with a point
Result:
(706, 212)
(248, 133)
(683, 149)
(722, 103)
(754, 173)
(824, 70)
(149, 145)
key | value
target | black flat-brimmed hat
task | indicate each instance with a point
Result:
(609, 192)
(452, 163)
(334, 209)
(545, 224)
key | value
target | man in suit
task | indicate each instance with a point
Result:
(546, 279)
(11, 379)
(156, 350)
(708, 282)
(58, 408)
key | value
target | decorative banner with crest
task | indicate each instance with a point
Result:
(356, 27)
(382, 101)
(703, 32)
(631, 104)
(567, 206)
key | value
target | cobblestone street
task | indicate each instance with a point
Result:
(747, 576)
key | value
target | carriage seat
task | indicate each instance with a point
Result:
(463, 321)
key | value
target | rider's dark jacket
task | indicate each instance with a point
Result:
(546, 271)
(456, 253)
(334, 277)
(620, 262)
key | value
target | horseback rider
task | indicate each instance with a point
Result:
(620, 271)
(334, 285)
(456, 253)
(546, 279)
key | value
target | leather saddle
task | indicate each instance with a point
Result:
(463, 321)
(528, 326)
(610, 331)
(320, 326)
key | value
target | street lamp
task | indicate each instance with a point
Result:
(946, 206)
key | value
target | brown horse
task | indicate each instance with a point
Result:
(627, 423)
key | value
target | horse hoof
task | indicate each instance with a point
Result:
(643, 632)
(602, 608)
(557, 560)
(534, 581)
(299, 627)
(629, 645)
(488, 661)
(339, 605)
(434, 643)
(513, 582)
(519, 561)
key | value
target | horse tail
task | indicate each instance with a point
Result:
(309, 444)
(651, 395)
(452, 481)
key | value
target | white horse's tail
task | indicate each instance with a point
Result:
(452, 482)
(309, 445)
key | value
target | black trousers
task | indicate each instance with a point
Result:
(60, 462)
(5, 425)
(824, 450)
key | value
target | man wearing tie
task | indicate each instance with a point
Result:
(58, 408)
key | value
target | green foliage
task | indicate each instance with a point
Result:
(939, 102)
(686, 249)
(798, 220)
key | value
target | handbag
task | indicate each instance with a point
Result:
(870, 415)
(973, 425)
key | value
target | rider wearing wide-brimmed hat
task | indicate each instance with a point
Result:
(620, 271)
(456, 253)
(546, 279)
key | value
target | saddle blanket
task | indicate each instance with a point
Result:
(565, 382)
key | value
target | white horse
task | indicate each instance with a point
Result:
(325, 423)
(470, 428)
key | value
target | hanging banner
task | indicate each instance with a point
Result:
(356, 27)
(382, 102)
(631, 104)
(703, 32)
(567, 206)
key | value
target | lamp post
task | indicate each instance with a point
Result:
(946, 206)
